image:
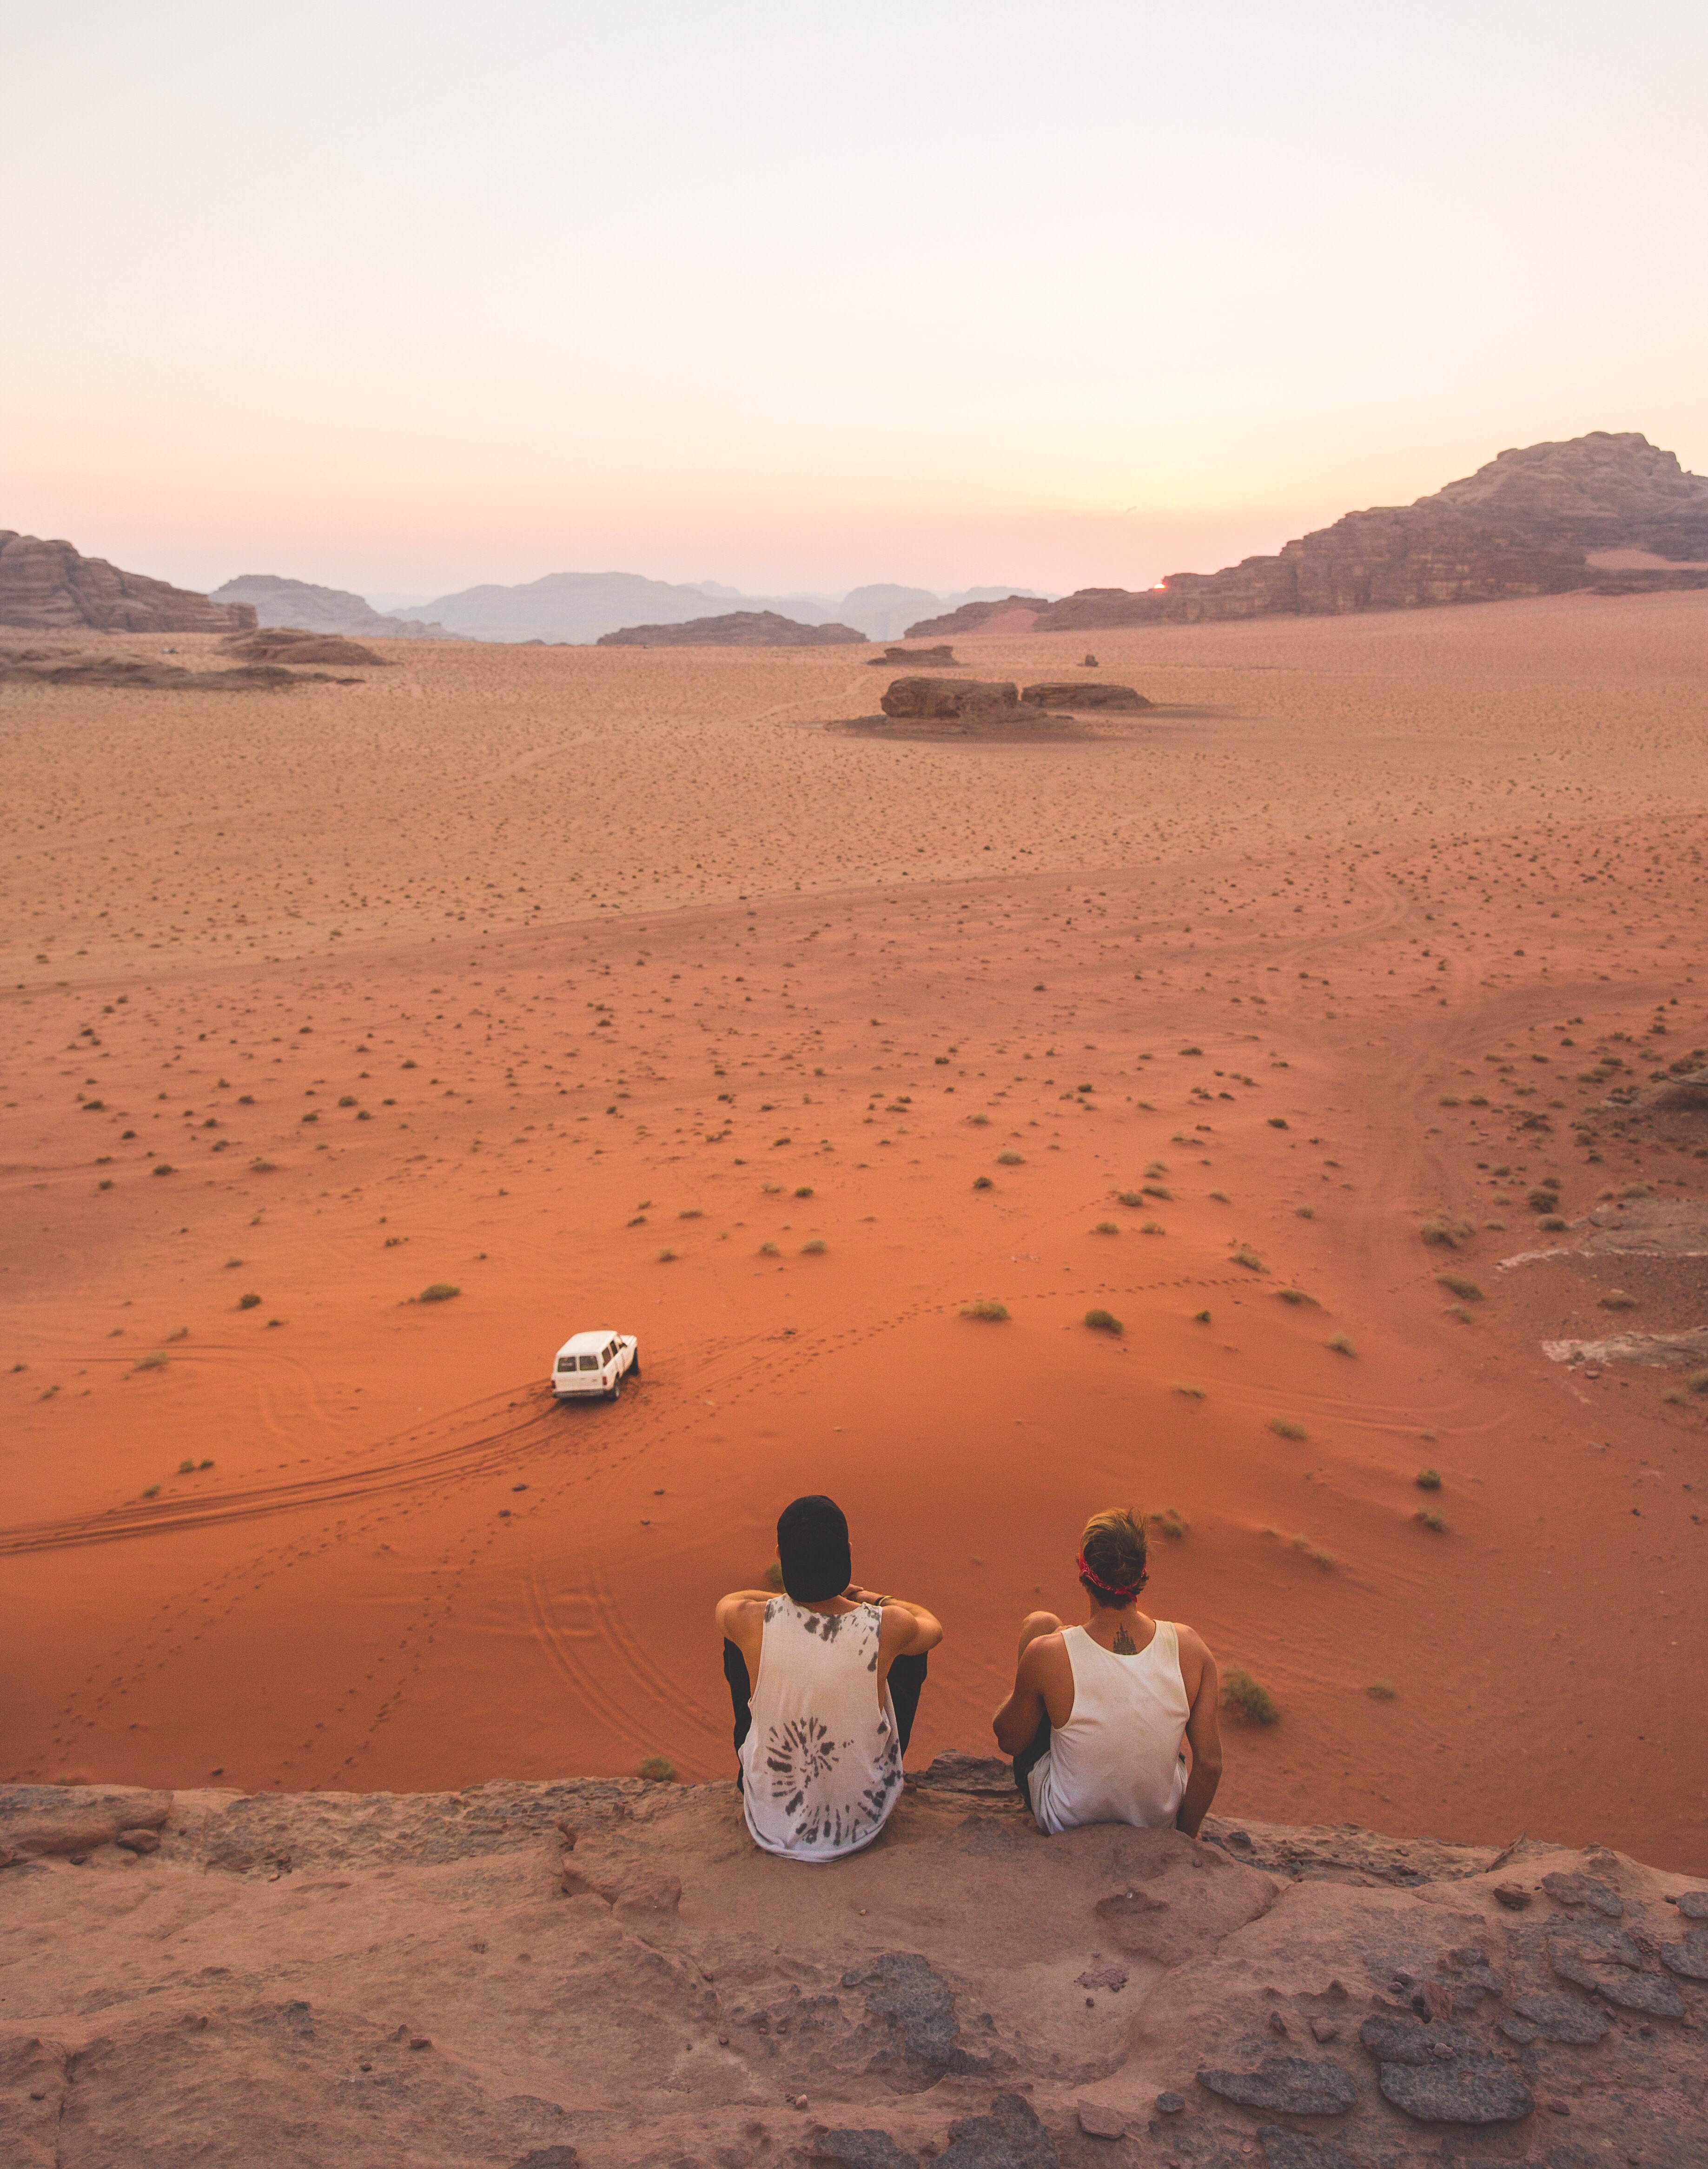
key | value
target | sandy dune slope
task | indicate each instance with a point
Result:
(608, 986)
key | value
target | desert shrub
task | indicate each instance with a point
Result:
(1131, 1199)
(186, 1468)
(1617, 1299)
(1221, 1196)
(1550, 1223)
(667, 1257)
(694, 1213)
(248, 1303)
(1153, 1167)
(1456, 1284)
(816, 1249)
(1201, 1317)
(1456, 1310)
(984, 1308)
(1241, 1691)
(982, 1182)
(438, 1292)
(1304, 1211)
(980, 1122)
(1381, 1690)
(204, 1464)
(1698, 1381)
(347, 1099)
(1277, 1121)
(1011, 1160)
(1284, 1427)
(1191, 1050)
(658, 1770)
(769, 1250)
(1342, 1345)
(1192, 1393)
(1446, 1234)
(1249, 1259)
(1159, 1190)
(1637, 1190)
(1106, 1227)
(1169, 1525)
(1542, 1201)
(1153, 1228)
(1295, 1295)
(156, 1361)
(1432, 1522)
(1104, 1321)
(1447, 1099)
(805, 1190)
(1428, 1480)
(151, 1491)
(160, 1167)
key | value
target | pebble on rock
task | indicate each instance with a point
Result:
(1097, 2120)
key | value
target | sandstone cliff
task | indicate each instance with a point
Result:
(50, 587)
(1522, 525)
(606, 1972)
(735, 629)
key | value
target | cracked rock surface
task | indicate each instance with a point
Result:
(599, 1972)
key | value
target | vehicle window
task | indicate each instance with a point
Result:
(589, 1362)
(610, 1352)
(566, 1362)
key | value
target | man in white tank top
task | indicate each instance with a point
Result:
(818, 1731)
(1101, 1714)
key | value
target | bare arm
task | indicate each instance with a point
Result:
(1017, 1723)
(1203, 1731)
(905, 1630)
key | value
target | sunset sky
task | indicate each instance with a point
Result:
(402, 298)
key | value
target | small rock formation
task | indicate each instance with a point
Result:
(278, 644)
(1524, 525)
(737, 629)
(1056, 695)
(929, 659)
(969, 699)
(307, 608)
(971, 617)
(49, 666)
(50, 587)
(413, 1977)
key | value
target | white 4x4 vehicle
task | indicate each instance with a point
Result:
(595, 1364)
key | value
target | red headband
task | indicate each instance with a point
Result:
(1110, 1588)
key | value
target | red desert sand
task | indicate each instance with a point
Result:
(606, 987)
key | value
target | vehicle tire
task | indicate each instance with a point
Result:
(615, 1392)
(634, 1367)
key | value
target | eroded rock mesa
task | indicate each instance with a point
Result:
(1524, 525)
(51, 587)
(735, 629)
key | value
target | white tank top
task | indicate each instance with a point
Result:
(1117, 1758)
(821, 1767)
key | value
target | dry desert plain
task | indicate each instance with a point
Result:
(610, 987)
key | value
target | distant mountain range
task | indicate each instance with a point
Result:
(580, 607)
(305, 607)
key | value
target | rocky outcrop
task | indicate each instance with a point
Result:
(277, 643)
(50, 587)
(310, 609)
(607, 1972)
(969, 699)
(1066, 694)
(1522, 525)
(941, 658)
(736, 629)
(970, 617)
(135, 673)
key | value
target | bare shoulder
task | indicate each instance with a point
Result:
(740, 1607)
(1044, 1657)
(1195, 1653)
